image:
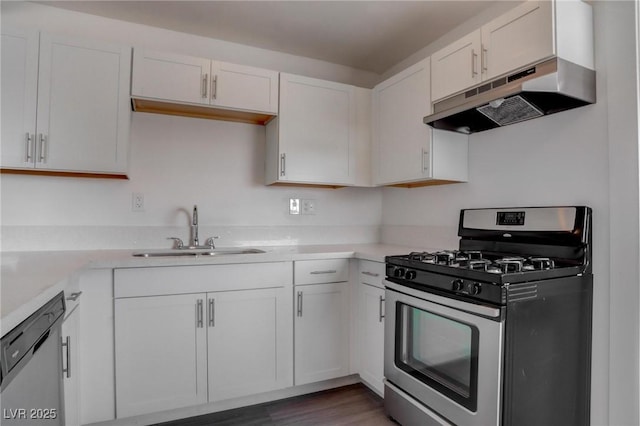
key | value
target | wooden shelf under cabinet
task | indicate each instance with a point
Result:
(198, 111)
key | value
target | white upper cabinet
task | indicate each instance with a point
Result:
(313, 139)
(456, 66)
(169, 76)
(406, 152)
(519, 37)
(19, 96)
(529, 33)
(161, 79)
(242, 87)
(76, 117)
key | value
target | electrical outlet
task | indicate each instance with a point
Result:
(308, 206)
(137, 202)
(294, 206)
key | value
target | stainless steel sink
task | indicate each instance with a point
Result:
(196, 252)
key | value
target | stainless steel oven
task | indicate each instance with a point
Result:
(446, 353)
(497, 332)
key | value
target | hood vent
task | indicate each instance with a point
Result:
(549, 87)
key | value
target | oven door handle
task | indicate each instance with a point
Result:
(484, 310)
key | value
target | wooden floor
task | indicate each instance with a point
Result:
(349, 405)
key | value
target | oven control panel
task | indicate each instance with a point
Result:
(465, 288)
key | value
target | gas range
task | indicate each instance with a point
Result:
(500, 248)
(488, 333)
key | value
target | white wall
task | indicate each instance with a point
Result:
(177, 162)
(587, 156)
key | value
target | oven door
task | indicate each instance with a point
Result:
(445, 354)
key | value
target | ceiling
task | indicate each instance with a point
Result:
(366, 35)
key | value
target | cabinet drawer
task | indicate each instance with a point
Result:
(321, 271)
(157, 281)
(372, 273)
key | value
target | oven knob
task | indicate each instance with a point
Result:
(410, 275)
(475, 288)
(398, 272)
(457, 285)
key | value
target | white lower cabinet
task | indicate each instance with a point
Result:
(96, 350)
(321, 326)
(70, 380)
(372, 335)
(161, 358)
(371, 324)
(177, 350)
(321, 332)
(245, 342)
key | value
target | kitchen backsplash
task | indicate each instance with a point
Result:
(42, 238)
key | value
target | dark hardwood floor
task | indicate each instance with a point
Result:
(348, 405)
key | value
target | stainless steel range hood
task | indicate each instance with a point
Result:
(546, 88)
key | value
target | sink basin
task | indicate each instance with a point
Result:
(196, 252)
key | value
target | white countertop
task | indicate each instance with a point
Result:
(30, 279)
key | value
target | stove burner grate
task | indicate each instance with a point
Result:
(478, 261)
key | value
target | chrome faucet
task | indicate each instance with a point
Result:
(195, 241)
(194, 228)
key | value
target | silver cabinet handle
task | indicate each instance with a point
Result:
(328, 271)
(199, 319)
(425, 161)
(484, 59)
(299, 304)
(205, 82)
(380, 314)
(74, 296)
(28, 158)
(371, 274)
(473, 63)
(42, 141)
(212, 313)
(282, 164)
(214, 86)
(67, 345)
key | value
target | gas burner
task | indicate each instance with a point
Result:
(541, 263)
(474, 254)
(479, 264)
(509, 265)
(446, 257)
(421, 256)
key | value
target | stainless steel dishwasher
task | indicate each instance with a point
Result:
(31, 369)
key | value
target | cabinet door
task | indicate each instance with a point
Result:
(321, 332)
(83, 105)
(456, 67)
(161, 360)
(372, 336)
(401, 139)
(519, 37)
(19, 95)
(316, 131)
(70, 368)
(168, 76)
(244, 88)
(250, 342)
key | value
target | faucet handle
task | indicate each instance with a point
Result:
(178, 242)
(210, 242)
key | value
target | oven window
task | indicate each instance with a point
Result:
(439, 351)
